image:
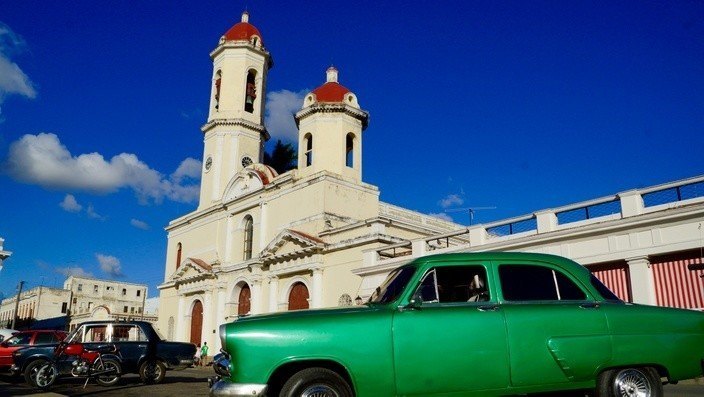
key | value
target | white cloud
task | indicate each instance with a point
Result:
(443, 216)
(12, 79)
(73, 271)
(451, 201)
(70, 204)
(110, 265)
(43, 160)
(280, 108)
(139, 224)
(90, 211)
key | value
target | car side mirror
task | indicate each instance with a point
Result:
(4, 344)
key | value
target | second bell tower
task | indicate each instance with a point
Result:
(235, 132)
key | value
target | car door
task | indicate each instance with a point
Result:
(132, 344)
(556, 332)
(11, 344)
(444, 344)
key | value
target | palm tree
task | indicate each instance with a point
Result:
(282, 157)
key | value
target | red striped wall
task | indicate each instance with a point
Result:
(616, 277)
(677, 286)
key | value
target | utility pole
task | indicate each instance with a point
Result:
(17, 304)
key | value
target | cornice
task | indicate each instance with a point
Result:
(237, 44)
(238, 122)
(358, 114)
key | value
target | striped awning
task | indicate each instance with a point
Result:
(616, 277)
(677, 286)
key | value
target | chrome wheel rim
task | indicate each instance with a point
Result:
(319, 391)
(153, 371)
(632, 383)
(109, 377)
(45, 375)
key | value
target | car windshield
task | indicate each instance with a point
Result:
(392, 287)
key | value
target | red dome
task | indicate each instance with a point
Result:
(330, 92)
(243, 30)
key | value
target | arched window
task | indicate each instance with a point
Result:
(248, 233)
(308, 144)
(218, 81)
(349, 150)
(250, 92)
(178, 255)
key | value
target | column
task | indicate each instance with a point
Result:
(208, 317)
(642, 281)
(221, 314)
(181, 324)
(228, 239)
(273, 294)
(257, 298)
(317, 298)
(262, 226)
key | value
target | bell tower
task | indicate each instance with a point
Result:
(330, 126)
(234, 134)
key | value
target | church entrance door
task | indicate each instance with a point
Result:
(196, 323)
(298, 297)
(243, 305)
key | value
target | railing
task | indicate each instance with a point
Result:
(618, 206)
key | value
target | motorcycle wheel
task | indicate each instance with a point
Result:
(111, 378)
(46, 376)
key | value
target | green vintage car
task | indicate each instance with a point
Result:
(466, 324)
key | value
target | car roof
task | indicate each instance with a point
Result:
(530, 258)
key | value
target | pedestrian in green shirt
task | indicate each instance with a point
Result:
(203, 353)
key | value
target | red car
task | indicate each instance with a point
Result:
(24, 339)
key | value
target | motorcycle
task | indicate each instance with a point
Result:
(89, 363)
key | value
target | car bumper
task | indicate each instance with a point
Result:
(225, 388)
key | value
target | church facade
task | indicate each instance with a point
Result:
(262, 242)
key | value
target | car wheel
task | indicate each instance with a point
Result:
(630, 382)
(46, 375)
(30, 372)
(152, 371)
(113, 376)
(316, 382)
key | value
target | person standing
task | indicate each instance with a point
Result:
(203, 353)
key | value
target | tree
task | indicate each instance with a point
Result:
(282, 157)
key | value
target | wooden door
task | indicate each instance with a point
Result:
(243, 305)
(298, 297)
(196, 322)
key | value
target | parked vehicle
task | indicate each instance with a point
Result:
(6, 333)
(26, 338)
(142, 349)
(101, 363)
(467, 324)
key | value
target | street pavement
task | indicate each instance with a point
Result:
(193, 382)
(187, 382)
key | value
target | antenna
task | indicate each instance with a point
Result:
(471, 211)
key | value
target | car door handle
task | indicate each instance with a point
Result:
(488, 308)
(589, 305)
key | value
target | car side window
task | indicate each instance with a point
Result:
(20, 339)
(537, 283)
(448, 284)
(44, 337)
(128, 333)
(95, 334)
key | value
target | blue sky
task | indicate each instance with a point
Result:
(513, 104)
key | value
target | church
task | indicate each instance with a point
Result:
(260, 242)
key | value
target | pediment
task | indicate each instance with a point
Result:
(291, 243)
(249, 180)
(191, 269)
